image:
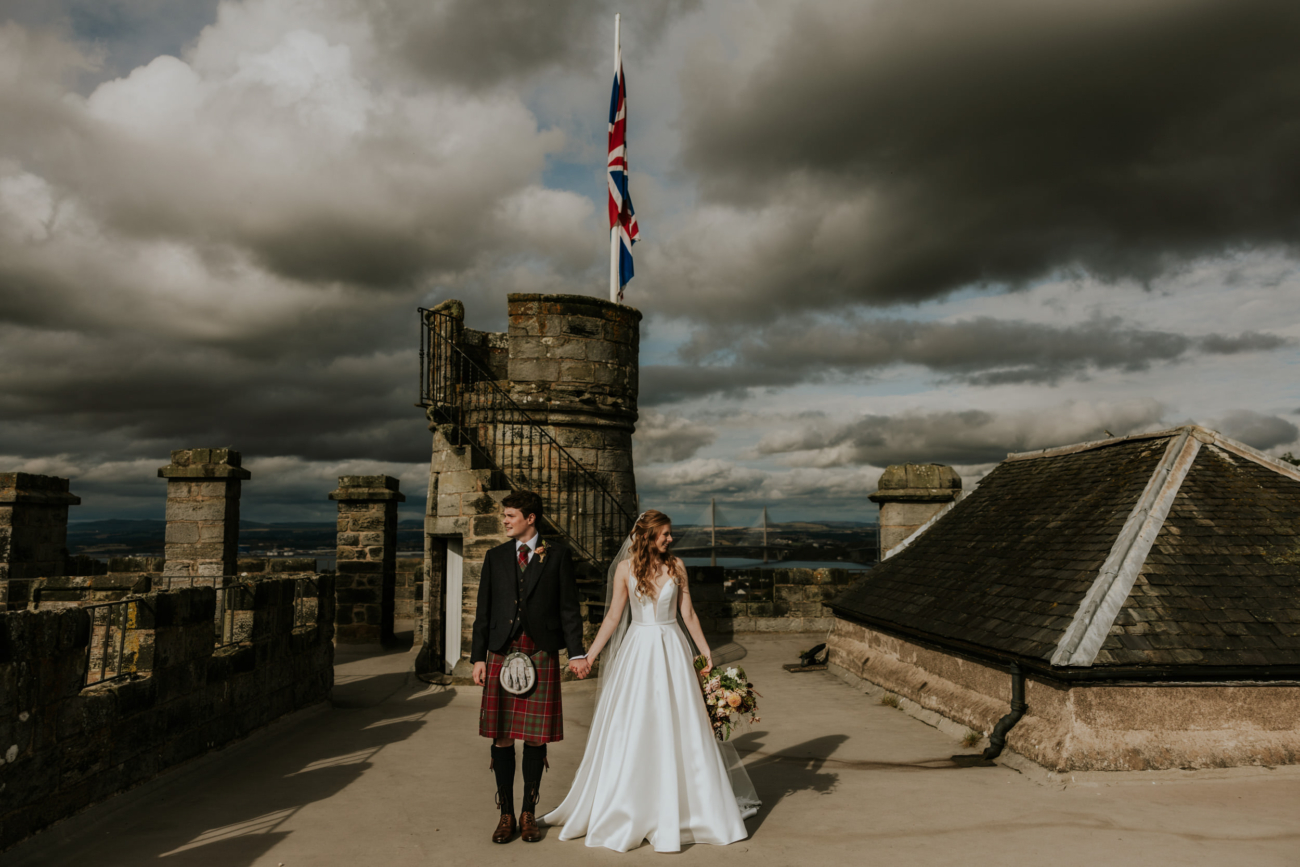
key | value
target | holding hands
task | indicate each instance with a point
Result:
(580, 667)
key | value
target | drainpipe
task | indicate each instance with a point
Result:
(998, 739)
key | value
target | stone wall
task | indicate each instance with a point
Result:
(1082, 727)
(126, 576)
(410, 590)
(765, 600)
(63, 747)
(462, 504)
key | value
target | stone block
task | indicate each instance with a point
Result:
(194, 509)
(614, 461)
(213, 532)
(462, 481)
(534, 369)
(476, 549)
(908, 514)
(587, 458)
(617, 332)
(448, 458)
(368, 521)
(178, 533)
(488, 525)
(606, 375)
(604, 351)
(577, 371)
(485, 503)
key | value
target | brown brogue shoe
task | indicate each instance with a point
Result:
(528, 830)
(505, 828)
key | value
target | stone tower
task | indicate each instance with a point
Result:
(909, 495)
(549, 406)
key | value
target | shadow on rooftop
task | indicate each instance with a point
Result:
(237, 831)
(797, 769)
(811, 767)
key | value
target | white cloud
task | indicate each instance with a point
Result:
(662, 437)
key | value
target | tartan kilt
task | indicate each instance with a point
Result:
(535, 716)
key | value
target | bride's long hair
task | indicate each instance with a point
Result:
(647, 562)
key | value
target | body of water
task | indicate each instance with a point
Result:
(326, 562)
(746, 563)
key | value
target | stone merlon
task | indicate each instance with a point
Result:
(204, 464)
(29, 488)
(368, 488)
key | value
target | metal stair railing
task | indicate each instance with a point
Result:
(472, 409)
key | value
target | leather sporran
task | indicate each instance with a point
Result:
(518, 674)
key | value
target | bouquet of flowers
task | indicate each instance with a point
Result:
(728, 697)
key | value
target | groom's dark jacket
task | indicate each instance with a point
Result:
(548, 611)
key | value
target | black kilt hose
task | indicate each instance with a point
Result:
(536, 716)
(533, 610)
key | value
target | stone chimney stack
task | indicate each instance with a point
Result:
(367, 558)
(203, 487)
(909, 495)
(33, 533)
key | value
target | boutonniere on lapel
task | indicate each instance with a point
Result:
(540, 551)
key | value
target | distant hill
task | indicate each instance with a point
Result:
(848, 540)
(123, 536)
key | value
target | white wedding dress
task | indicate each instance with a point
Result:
(653, 769)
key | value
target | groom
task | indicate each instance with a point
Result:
(527, 602)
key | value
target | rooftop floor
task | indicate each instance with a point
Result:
(395, 774)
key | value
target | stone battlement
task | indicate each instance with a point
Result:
(170, 687)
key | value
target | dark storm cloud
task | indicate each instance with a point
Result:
(664, 383)
(1255, 429)
(476, 44)
(967, 437)
(980, 351)
(908, 148)
(133, 397)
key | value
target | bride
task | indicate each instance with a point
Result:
(653, 769)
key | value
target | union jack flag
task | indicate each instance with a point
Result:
(621, 215)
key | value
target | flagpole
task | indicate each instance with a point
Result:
(613, 230)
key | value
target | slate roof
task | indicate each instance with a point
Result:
(1171, 549)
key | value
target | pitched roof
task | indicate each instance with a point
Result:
(1174, 548)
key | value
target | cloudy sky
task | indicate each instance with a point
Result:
(873, 232)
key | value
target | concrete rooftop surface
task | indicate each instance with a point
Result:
(394, 773)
